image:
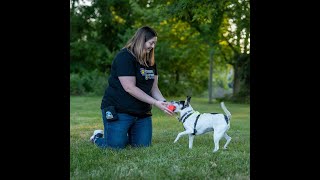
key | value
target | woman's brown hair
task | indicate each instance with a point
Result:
(136, 45)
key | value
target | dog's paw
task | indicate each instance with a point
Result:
(215, 150)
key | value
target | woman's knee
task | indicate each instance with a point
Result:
(141, 133)
(117, 140)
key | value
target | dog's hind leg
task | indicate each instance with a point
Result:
(228, 138)
(217, 135)
(181, 134)
(191, 137)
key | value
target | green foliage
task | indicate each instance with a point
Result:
(245, 72)
(242, 97)
(183, 69)
(213, 20)
(188, 30)
(164, 159)
(76, 85)
(93, 83)
(95, 33)
(222, 76)
(88, 56)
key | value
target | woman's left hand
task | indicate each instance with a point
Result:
(164, 107)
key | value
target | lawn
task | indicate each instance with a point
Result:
(164, 159)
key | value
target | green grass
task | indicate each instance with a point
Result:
(164, 159)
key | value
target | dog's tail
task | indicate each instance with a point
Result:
(225, 110)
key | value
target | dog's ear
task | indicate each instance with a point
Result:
(186, 103)
(188, 99)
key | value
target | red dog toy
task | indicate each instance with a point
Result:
(171, 107)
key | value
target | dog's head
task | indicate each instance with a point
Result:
(182, 106)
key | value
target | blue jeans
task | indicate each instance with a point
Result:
(127, 130)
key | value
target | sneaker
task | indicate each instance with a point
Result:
(96, 134)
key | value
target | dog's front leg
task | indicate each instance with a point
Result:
(191, 137)
(181, 134)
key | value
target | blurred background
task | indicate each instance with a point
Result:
(203, 47)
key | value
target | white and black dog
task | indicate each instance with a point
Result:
(195, 123)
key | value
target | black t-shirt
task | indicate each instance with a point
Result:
(125, 64)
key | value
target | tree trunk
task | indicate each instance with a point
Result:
(236, 80)
(210, 76)
(177, 76)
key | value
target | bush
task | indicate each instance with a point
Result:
(91, 83)
(242, 97)
(76, 85)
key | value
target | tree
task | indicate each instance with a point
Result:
(95, 31)
(237, 45)
(212, 20)
(178, 50)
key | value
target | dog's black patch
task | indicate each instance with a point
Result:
(183, 105)
(226, 118)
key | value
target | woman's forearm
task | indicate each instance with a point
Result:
(139, 94)
(156, 93)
